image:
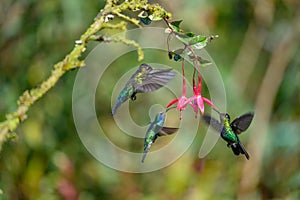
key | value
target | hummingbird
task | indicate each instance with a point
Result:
(145, 79)
(155, 130)
(230, 131)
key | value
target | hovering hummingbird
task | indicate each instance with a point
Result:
(145, 79)
(230, 131)
(155, 130)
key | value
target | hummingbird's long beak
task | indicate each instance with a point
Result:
(170, 108)
(215, 109)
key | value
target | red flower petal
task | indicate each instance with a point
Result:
(200, 104)
(209, 102)
(172, 102)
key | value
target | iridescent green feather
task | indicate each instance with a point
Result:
(155, 130)
(230, 135)
(145, 79)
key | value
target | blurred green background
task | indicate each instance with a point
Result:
(257, 53)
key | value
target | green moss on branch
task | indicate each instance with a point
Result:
(112, 9)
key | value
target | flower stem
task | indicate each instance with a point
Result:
(183, 79)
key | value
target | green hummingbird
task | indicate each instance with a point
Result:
(155, 130)
(230, 131)
(145, 79)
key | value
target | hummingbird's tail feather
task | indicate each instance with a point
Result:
(145, 152)
(243, 150)
(144, 156)
(116, 106)
(235, 149)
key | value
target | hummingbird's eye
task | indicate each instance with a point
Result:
(227, 116)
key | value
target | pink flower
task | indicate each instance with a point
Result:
(181, 104)
(183, 101)
(197, 99)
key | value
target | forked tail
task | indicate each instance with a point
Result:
(243, 150)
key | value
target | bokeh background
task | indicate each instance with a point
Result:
(257, 53)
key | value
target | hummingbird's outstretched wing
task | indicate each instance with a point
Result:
(241, 123)
(153, 80)
(144, 79)
(213, 122)
(167, 131)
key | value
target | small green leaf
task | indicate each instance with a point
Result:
(197, 39)
(202, 61)
(196, 42)
(178, 51)
(190, 34)
(183, 38)
(175, 26)
(176, 23)
(199, 42)
(199, 45)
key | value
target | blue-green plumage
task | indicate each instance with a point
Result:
(145, 79)
(229, 130)
(126, 93)
(227, 133)
(155, 130)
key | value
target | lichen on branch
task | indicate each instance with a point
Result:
(104, 20)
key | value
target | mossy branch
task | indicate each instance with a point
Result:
(113, 8)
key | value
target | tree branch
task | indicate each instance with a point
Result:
(72, 61)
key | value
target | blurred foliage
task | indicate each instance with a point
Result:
(47, 159)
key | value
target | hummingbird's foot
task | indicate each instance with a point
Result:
(133, 97)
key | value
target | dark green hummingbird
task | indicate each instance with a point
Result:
(145, 79)
(230, 131)
(155, 130)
